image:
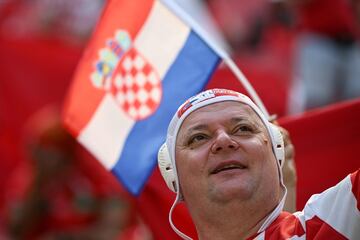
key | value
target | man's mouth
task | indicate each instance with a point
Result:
(227, 166)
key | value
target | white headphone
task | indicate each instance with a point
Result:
(170, 177)
(166, 168)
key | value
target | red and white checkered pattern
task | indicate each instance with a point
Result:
(136, 86)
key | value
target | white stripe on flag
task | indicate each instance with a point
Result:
(161, 38)
(106, 132)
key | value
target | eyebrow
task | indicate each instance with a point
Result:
(205, 126)
(196, 128)
(250, 119)
(238, 119)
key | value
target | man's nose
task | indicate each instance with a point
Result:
(224, 142)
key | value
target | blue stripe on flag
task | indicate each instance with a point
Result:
(187, 76)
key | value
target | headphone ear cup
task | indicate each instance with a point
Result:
(278, 143)
(166, 167)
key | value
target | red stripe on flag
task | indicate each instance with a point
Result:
(83, 98)
(355, 181)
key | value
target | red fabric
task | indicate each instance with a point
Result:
(284, 227)
(328, 17)
(355, 181)
(325, 141)
(318, 229)
(290, 227)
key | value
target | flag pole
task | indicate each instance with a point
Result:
(249, 88)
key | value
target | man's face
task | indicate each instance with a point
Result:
(223, 153)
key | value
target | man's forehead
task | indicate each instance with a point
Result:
(214, 108)
(201, 115)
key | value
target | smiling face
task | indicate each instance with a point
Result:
(223, 154)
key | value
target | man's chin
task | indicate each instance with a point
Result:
(230, 190)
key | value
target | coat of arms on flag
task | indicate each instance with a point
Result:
(128, 76)
(142, 62)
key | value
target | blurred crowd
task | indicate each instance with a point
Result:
(298, 54)
(308, 49)
(60, 192)
(52, 187)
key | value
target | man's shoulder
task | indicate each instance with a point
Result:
(332, 213)
(335, 211)
(285, 226)
(345, 192)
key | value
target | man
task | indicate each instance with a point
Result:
(223, 158)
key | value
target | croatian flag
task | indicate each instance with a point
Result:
(142, 62)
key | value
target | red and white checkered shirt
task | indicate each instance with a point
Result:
(332, 214)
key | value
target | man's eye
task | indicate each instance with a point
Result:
(243, 129)
(196, 138)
